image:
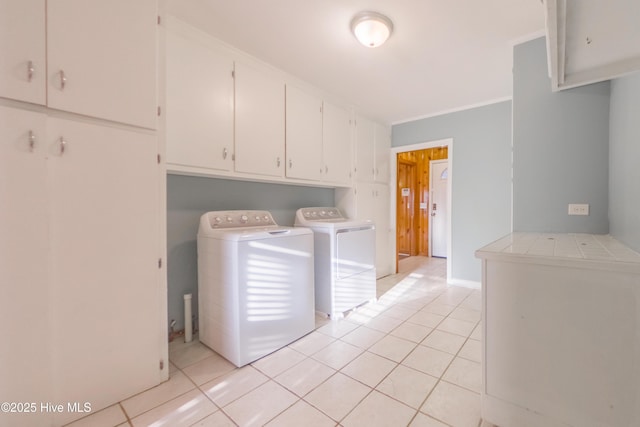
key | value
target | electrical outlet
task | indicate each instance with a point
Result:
(578, 209)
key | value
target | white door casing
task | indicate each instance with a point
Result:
(448, 142)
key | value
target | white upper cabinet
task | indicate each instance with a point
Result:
(23, 46)
(365, 140)
(230, 115)
(382, 138)
(259, 122)
(336, 144)
(102, 59)
(303, 135)
(96, 58)
(373, 141)
(199, 104)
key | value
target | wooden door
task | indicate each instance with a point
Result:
(406, 207)
(419, 236)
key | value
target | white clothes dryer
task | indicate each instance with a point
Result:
(345, 254)
(255, 284)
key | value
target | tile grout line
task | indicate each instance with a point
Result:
(440, 379)
(335, 339)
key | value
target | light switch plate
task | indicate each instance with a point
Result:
(578, 209)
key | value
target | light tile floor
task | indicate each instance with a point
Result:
(410, 359)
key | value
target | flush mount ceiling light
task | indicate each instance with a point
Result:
(371, 28)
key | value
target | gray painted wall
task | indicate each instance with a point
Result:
(560, 148)
(624, 153)
(481, 185)
(189, 197)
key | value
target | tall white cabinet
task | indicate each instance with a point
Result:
(104, 245)
(83, 292)
(369, 197)
(25, 370)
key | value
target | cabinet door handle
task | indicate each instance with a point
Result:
(32, 140)
(326, 169)
(63, 145)
(30, 71)
(224, 153)
(63, 80)
(290, 163)
(278, 161)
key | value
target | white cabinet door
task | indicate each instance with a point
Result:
(336, 144)
(372, 202)
(303, 134)
(382, 209)
(25, 374)
(102, 59)
(259, 122)
(365, 140)
(105, 247)
(199, 104)
(22, 43)
(381, 153)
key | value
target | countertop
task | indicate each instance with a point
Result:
(562, 248)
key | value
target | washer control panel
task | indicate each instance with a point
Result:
(315, 214)
(235, 219)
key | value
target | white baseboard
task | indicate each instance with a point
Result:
(464, 283)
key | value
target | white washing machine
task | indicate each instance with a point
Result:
(345, 254)
(255, 284)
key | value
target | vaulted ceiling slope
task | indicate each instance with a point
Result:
(443, 55)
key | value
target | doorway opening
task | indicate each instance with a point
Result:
(422, 175)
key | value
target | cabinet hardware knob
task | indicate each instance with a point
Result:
(224, 153)
(278, 161)
(326, 169)
(290, 164)
(63, 145)
(32, 140)
(30, 71)
(63, 80)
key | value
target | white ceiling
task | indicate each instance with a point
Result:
(443, 55)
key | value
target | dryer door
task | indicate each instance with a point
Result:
(355, 251)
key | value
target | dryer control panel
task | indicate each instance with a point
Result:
(315, 214)
(238, 219)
